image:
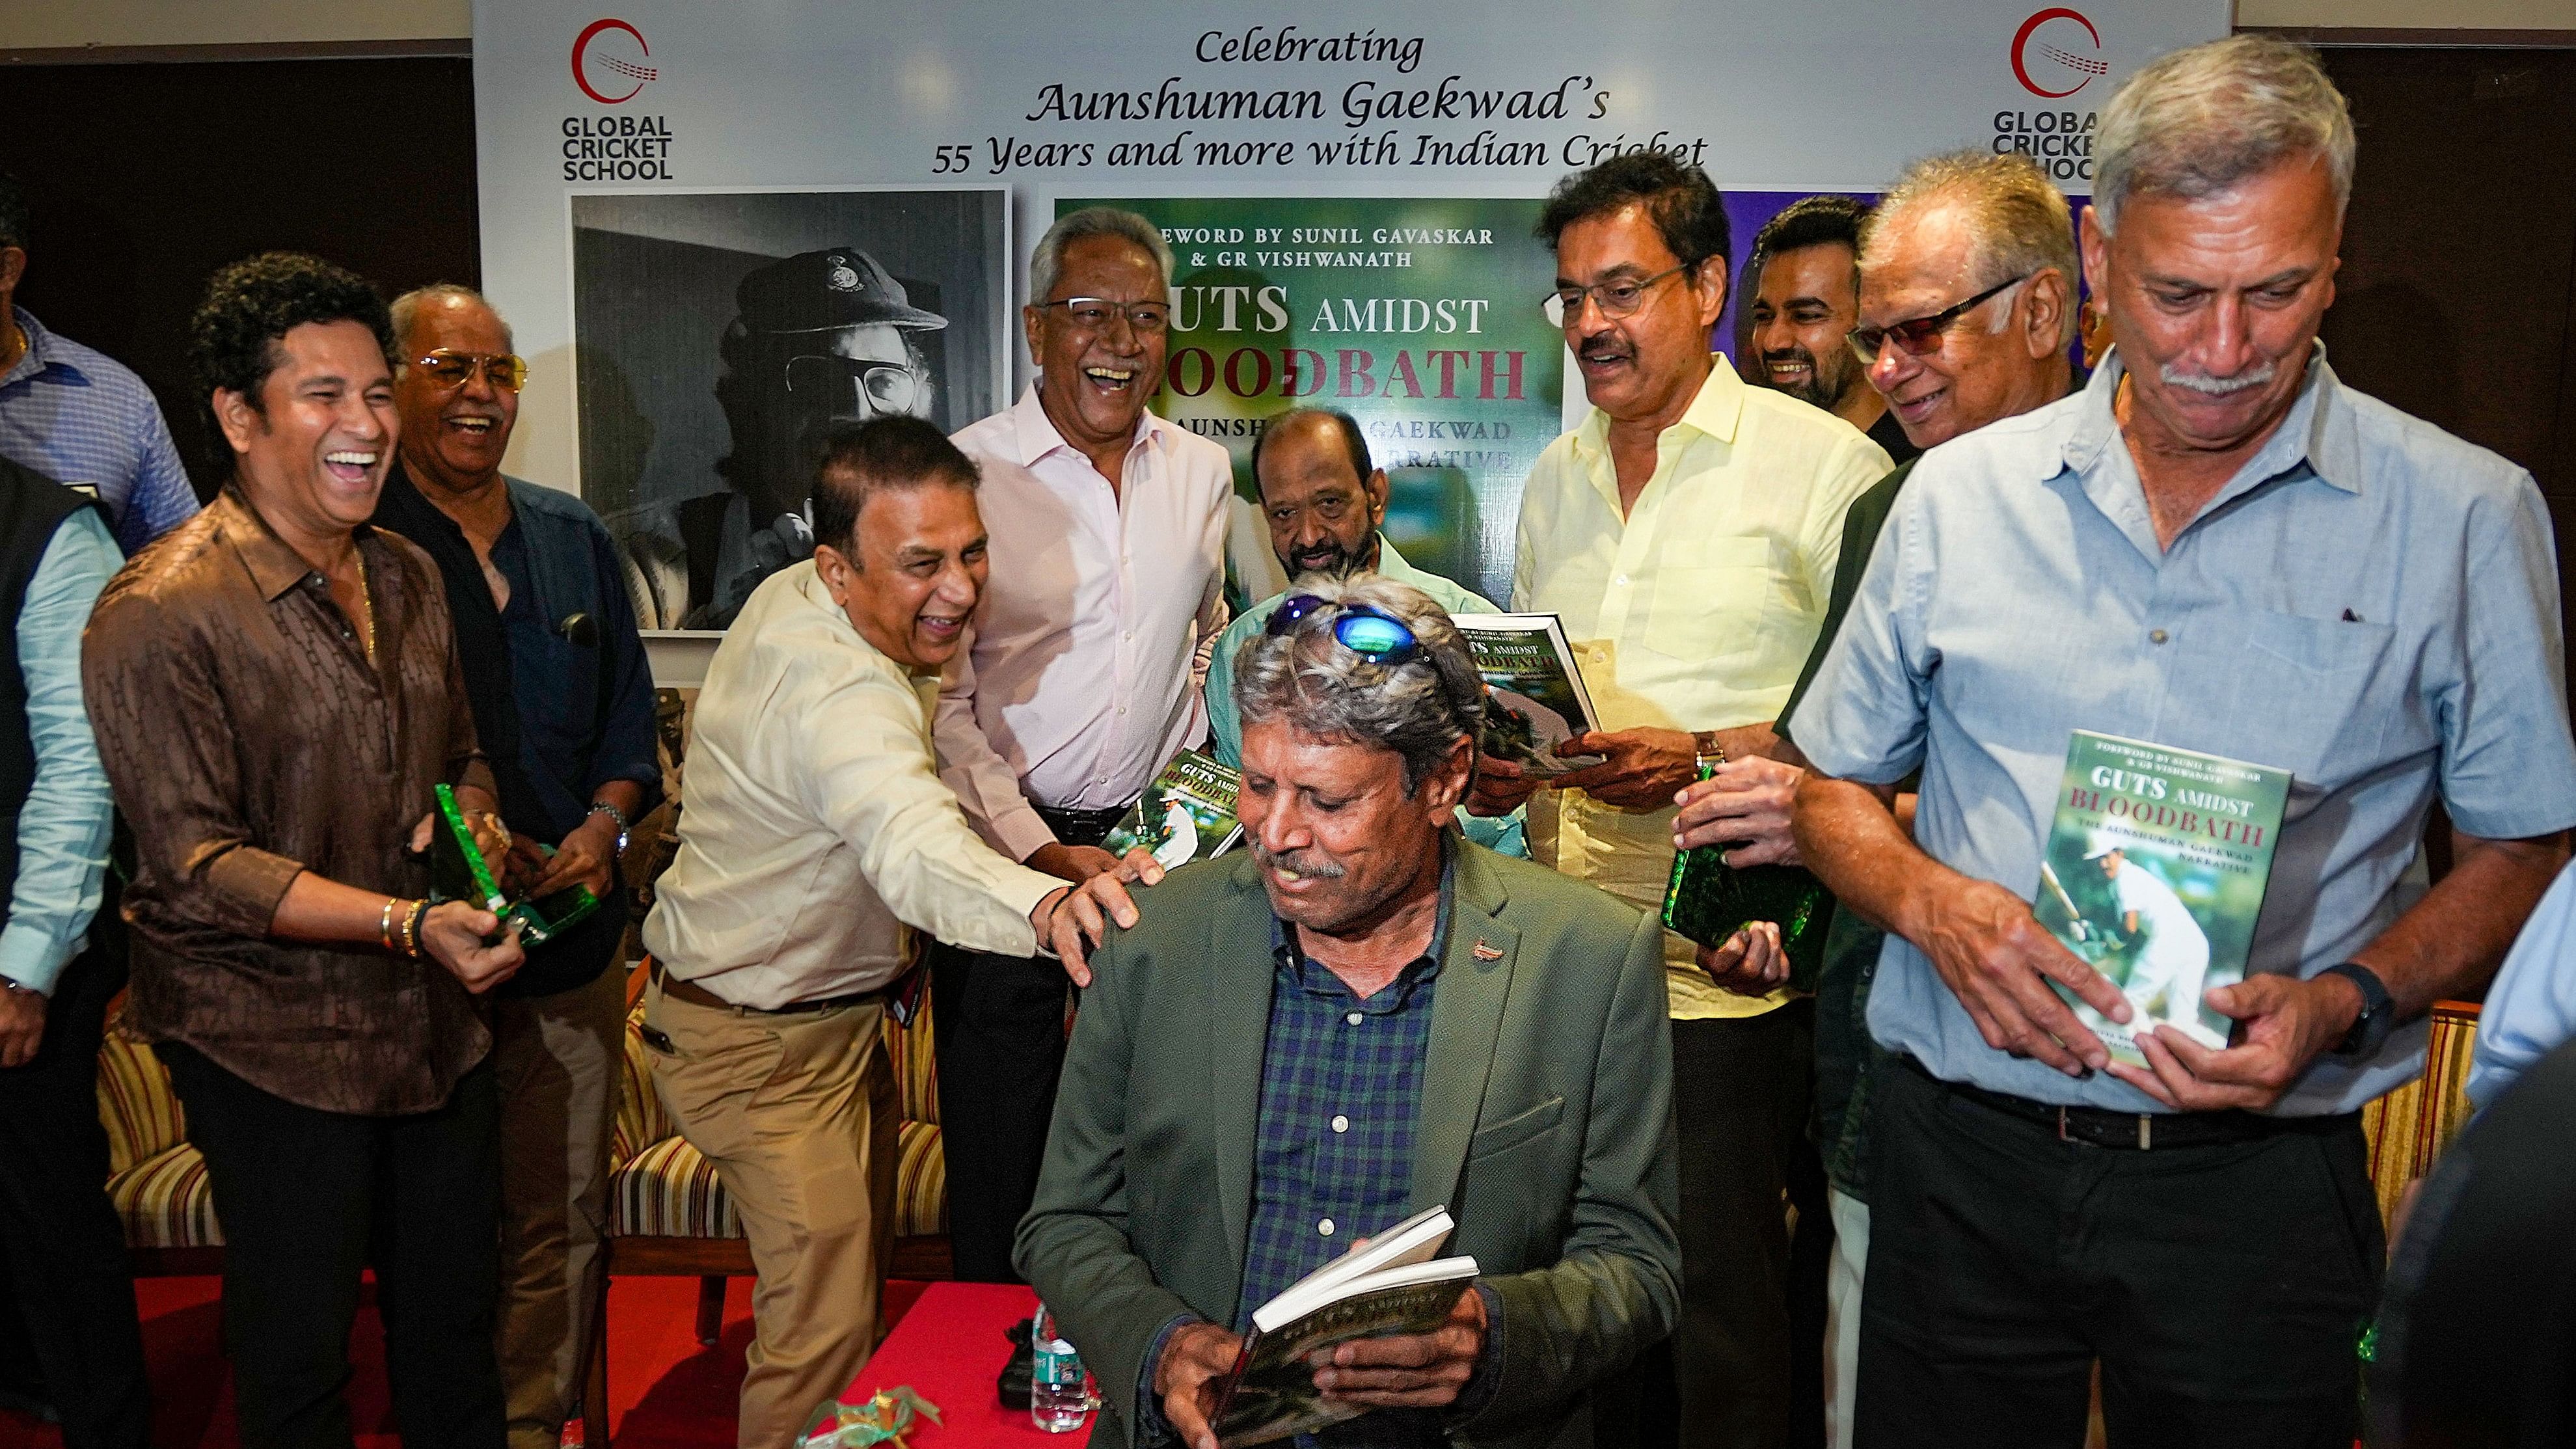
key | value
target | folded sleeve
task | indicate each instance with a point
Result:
(2531, 1008)
(2508, 768)
(62, 827)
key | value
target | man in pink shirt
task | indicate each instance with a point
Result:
(1090, 647)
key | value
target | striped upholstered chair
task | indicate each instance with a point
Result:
(667, 1214)
(156, 1181)
(2409, 1127)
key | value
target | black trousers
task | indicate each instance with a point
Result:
(1744, 1089)
(65, 1248)
(2223, 1287)
(999, 1024)
(308, 1199)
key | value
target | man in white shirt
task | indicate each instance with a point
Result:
(2174, 958)
(1083, 677)
(817, 840)
(1687, 533)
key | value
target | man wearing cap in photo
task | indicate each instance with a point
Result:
(820, 339)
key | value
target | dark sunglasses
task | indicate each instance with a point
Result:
(1364, 629)
(1922, 335)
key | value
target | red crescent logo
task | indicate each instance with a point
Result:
(582, 43)
(2021, 38)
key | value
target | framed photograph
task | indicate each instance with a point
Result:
(722, 335)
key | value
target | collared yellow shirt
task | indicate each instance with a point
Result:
(1694, 612)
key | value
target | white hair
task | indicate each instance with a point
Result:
(1420, 708)
(406, 311)
(2201, 121)
(1094, 221)
(2017, 222)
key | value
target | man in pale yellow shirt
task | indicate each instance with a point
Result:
(818, 845)
(1686, 532)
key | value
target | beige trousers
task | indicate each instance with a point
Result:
(557, 1061)
(797, 1110)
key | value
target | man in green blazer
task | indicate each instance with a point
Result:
(1358, 1017)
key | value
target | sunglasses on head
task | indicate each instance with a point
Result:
(1919, 336)
(1364, 629)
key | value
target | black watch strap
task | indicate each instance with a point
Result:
(2378, 1010)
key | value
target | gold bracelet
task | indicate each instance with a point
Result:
(411, 928)
(385, 923)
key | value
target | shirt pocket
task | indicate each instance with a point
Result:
(1709, 597)
(1518, 1130)
(2303, 696)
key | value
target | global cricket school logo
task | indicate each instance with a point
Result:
(608, 62)
(2056, 53)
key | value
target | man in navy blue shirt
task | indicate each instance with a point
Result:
(563, 703)
(79, 416)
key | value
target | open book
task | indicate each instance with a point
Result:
(1391, 1286)
(1534, 694)
(457, 873)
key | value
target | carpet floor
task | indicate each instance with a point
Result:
(664, 1390)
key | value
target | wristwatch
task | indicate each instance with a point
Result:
(1710, 755)
(624, 825)
(2378, 1011)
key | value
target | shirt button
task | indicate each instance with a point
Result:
(2157, 636)
(1325, 1228)
(1621, 581)
(1341, 1124)
(1353, 1018)
(1129, 635)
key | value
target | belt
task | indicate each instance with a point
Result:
(696, 995)
(2140, 1131)
(1081, 827)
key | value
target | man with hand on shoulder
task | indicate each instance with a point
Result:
(2216, 546)
(1325, 504)
(275, 693)
(817, 846)
(1358, 1018)
(1967, 282)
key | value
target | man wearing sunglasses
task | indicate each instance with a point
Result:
(1324, 501)
(563, 704)
(1962, 354)
(1358, 1018)
(1686, 532)
(1083, 676)
(821, 340)
(2216, 546)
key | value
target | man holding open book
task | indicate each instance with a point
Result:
(1318, 1040)
(2228, 560)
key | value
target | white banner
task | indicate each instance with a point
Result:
(865, 151)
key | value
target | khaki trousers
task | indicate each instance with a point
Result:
(797, 1110)
(557, 1061)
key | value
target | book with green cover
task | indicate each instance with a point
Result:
(1186, 814)
(2154, 875)
(1534, 694)
(457, 872)
(1708, 900)
(1391, 1286)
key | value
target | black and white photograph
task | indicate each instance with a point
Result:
(722, 336)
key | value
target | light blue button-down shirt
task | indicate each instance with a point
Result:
(62, 829)
(82, 418)
(2531, 1009)
(2370, 603)
(1505, 833)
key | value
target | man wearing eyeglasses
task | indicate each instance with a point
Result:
(1959, 353)
(563, 704)
(2216, 546)
(1686, 532)
(1090, 649)
(821, 339)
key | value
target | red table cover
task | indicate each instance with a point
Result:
(949, 1348)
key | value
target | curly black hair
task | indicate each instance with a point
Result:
(252, 304)
(1688, 212)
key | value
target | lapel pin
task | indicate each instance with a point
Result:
(1486, 951)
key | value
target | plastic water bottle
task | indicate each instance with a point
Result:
(1057, 1399)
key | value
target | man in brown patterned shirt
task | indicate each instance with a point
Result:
(276, 693)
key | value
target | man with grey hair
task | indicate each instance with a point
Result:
(1362, 1017)
(562, 698)
(1966, 300)
(2216, 547)
(1083, 678)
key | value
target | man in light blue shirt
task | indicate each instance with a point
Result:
(2215, 546)
(61, 960)
(1324, 502)
(2531, 1008)
(78, 416)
